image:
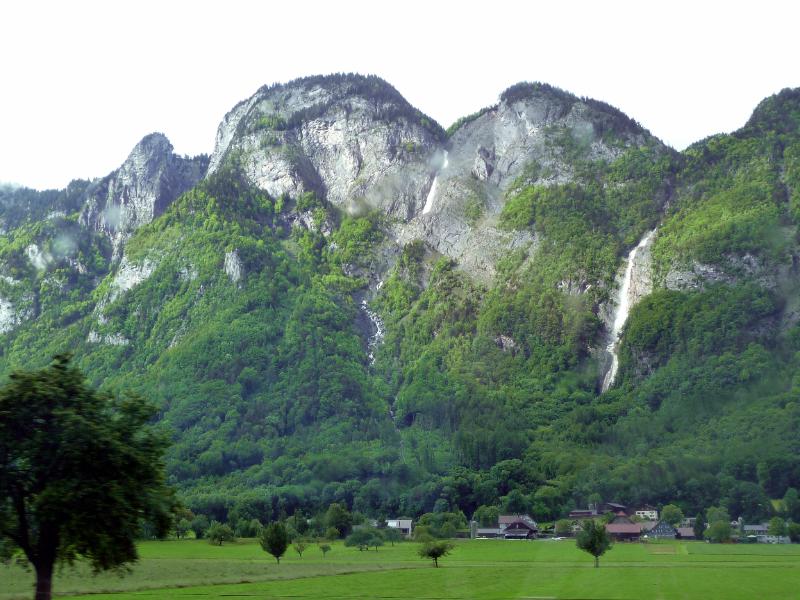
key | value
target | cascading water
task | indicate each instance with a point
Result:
(377, 324)
(621, 312)
(432, 192)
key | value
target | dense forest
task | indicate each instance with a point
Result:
(249, 335)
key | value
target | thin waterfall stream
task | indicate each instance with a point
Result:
(432, 192)
(623, 307)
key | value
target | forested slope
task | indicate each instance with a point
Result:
(307, 347)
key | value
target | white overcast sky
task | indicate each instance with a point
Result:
(83, 81)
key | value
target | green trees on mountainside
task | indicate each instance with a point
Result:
(247, 333)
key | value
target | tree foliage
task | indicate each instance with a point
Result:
(79, 471)
(217, 533)
(593, 538)
(435, 550)
(275, 540)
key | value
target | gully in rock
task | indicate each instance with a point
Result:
(623, 307)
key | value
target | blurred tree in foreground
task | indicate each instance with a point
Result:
(79, 471)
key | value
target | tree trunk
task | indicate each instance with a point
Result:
(596, 561)
(436, 562)
(44, 581)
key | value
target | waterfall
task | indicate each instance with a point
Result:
(377, 323)
(432, 192)
(625, 300)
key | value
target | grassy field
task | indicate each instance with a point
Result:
(477, 569)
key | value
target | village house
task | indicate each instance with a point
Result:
(593, 511)
(402, 525)
(624, 532)
(583, 513)
(686, 533)
(647, 513)
(518, 527)
(613, 507)
(509, 527)
(757, 532)
(662, 530)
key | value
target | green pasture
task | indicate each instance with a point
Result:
(480, 569)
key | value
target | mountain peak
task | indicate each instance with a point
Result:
(153, 143)
(779, 113)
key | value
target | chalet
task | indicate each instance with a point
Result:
(662, 530)
(402, 525)
(686, 533)
(517, 527)
(624, 532)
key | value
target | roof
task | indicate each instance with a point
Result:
(686, 532)
(508, 519)
(520, 526)
(583, 512)
(762, 527)
(623, 528)
(648, 525)
(621, 518)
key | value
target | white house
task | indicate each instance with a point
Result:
(402, 525)
(647, 514)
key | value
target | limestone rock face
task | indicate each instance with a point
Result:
(149, 180)
(357, 143)
(352, 140)
(731, 270)
(522, 139)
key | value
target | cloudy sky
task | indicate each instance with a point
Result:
(83, 81)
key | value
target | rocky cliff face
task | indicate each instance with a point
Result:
(352, 140)
(356, 143)
(525, 138)
(147, 182)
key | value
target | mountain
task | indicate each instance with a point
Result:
(345, 302)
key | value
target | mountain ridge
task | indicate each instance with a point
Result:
(352, 306)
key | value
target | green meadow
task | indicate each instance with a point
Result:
(482, 569)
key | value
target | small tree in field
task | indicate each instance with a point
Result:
(593, 538)
(435, 550)
(218, 533)
(324, 548)
(79, 472)
(275, 540)
(300, 547)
